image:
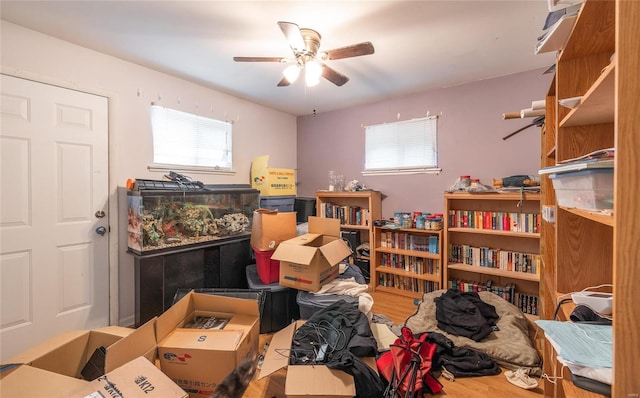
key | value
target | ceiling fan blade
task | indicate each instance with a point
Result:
(354, 50)
(333, 76)
(284, 82)
(293, 35)
(259, 59)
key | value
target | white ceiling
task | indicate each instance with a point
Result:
(419, 45)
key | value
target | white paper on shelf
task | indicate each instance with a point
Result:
(557, 35)
(531, 112)
(539, 104)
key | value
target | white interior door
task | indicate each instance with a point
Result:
(54, 258)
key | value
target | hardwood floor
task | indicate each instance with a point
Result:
(398, 309)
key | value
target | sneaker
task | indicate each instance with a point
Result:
(520, 378)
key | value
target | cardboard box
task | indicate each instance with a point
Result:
(309, 261)
(306, 380)
(136, 379)
(270, 227)
(270, 181)
(64, 360)
(28, 382)
(198, 359)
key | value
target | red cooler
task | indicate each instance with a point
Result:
(268, 269)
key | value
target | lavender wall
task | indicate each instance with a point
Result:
(470, 132)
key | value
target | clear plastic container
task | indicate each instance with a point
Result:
(587, 189)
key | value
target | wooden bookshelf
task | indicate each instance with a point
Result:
(406, 261)
(484, 234)
(369, 204)
(583, 248)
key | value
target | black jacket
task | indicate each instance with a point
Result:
(337, 336)
(465, 314)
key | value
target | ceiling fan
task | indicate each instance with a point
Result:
(305, 44)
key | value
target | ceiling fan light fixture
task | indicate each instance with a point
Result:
(291, 73)
(312, 73)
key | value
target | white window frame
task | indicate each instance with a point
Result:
(403, 147)
(195, 136)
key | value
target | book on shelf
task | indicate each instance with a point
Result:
(348, 215)
(486, 257)
(496, 221)
(407, 283)
(408, 241)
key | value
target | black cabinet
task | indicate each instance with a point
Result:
(215, 265)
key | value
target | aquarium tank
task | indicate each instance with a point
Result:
(164, 215)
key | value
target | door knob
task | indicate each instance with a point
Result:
(100, 214)
(101, 231)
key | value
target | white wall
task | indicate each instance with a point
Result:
(131, 88)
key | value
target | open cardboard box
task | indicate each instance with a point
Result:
(68, 360)
(306, 380)
(25, 381)
(311, 260)
(198, 359)
(136, 379)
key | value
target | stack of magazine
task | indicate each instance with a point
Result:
(557, 28)
(600, 159)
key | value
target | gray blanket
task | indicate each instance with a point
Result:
(510, 347)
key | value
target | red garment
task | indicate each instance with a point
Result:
(407, 365)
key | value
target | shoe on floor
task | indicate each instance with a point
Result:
(520, 378)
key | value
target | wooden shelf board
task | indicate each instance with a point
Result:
(413, 230)
(497, 272)
(414, 253)
(493, 232)
(349, 226)
(400, 272)
(594, 16)
(400, 292)
(491, 196)
(597, 105)
(606, 219)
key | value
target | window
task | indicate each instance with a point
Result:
(406, 147)
(190, 141)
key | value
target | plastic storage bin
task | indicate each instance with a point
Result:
(586, 189)
(280, 203)
(310, 303)
(279, 307)
(268, 269)
(304, 208)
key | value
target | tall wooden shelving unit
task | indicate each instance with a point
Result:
(582, 249)
(509, 240)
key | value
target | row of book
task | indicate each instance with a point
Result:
(348, 215)
(527, 303)
(495, 220)
(495, 258)
(407, 283)
(406, 241)
(417, 265)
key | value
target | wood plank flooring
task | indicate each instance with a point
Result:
(398, 309)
